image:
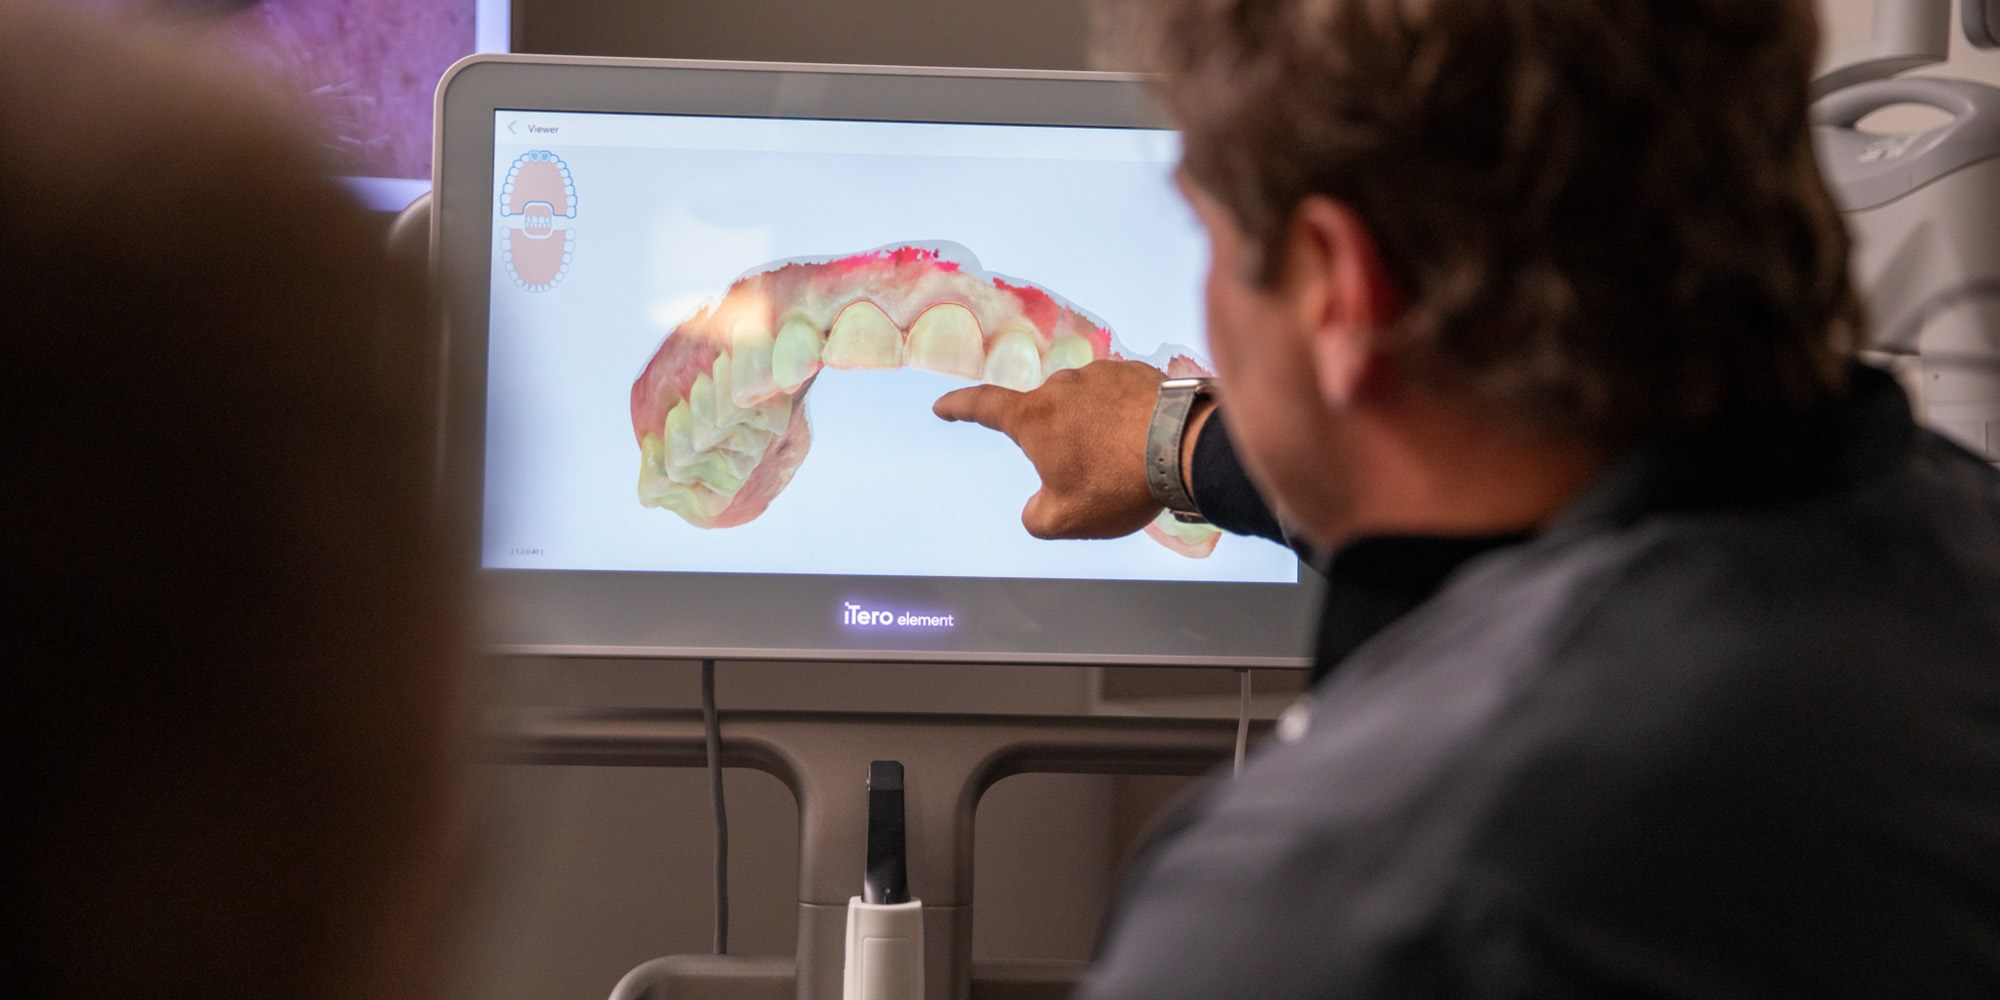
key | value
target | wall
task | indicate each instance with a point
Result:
(1036, 34)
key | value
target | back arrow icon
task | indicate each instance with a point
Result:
(510, 128)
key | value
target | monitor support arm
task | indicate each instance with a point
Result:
(1909, 34)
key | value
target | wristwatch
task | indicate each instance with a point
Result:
(1164, 475)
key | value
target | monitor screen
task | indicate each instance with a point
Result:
(711, 347)
(715, 342)
(366, 71)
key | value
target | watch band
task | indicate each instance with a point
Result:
(1164, 475)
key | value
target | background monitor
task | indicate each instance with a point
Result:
(700, 312)
(366, 71)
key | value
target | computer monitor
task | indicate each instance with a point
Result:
(365, 71)
(699, 313)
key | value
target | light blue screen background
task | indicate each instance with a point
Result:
(671, 211)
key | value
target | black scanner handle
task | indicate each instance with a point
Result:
(888, 879)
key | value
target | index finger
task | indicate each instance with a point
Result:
(989, 406)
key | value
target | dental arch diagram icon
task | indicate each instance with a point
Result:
(718, 412)
(536, 200)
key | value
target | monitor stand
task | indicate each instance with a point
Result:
(823, 757)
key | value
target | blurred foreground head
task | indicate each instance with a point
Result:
(229, 672)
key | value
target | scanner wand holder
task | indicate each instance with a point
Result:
(885, 927)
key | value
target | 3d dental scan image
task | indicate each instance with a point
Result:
(733, 434)
(778, 302)
(827, 314)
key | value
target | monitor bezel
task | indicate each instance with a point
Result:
(470, 96)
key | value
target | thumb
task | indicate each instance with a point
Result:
(1041, 516)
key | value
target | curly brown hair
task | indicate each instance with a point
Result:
(1605, 213)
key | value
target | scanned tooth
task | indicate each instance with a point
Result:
(725, 472)
(746, 439)
(681, 448)
(770, 417)
(1014, 361)
(727, 413)
(653, 481)
(796, 355)
(750, 347)
(863, 337)
(698, 504)
(705, 410)
(946, 340)
(1195, 541)
(691, 435)
(1069, 351)
(657, 488)
(715, 421)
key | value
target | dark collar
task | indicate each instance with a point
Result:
(1739, 460)
(1374, 581)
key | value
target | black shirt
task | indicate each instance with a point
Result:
(1728, 727)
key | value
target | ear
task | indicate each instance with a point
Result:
(1346, 295)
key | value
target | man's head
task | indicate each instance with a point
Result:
(1589, 218)
(228, 681)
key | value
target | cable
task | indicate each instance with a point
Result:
(1243, 721)
(712, 729)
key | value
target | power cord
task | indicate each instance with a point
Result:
(712, 729)
(1243, 720)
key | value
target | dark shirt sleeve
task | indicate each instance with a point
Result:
(1223, 491)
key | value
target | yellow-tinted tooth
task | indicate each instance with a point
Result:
(681, 448)
(1197, 541)
(725, 472)
(722, 466)
(750, 347)
(696, 504)
(1069, 351)
(1014, 361)
(652, 469)
(706, 423)
(796, 355)
(946, 340)
(863, 337)
(771, 416)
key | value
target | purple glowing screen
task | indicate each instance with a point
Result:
(364, 70)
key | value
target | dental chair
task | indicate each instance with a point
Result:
(1924, 210)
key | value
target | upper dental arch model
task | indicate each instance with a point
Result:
(718, 411)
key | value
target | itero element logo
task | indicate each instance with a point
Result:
(538, 192)
(855, 614)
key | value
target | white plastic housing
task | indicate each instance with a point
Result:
(1909, 34)
(885, 951)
